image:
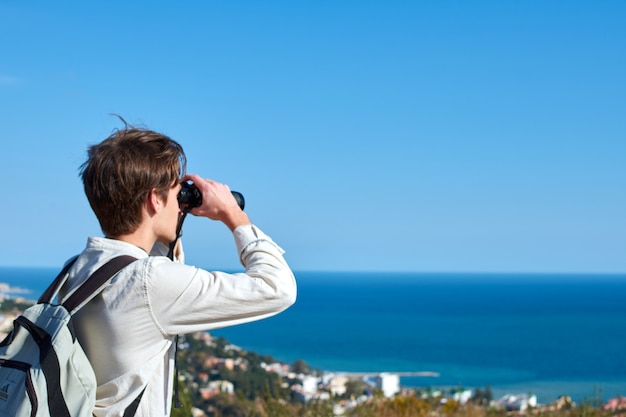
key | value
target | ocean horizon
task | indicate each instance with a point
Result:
(542, 334)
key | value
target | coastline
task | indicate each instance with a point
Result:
(450, 377)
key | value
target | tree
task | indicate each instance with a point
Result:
(355, 388)
(299, 367)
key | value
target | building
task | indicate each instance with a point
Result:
(337, 384)
(518, 402)
(215, 387)
(389, 384)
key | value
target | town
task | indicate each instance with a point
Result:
(344, 392)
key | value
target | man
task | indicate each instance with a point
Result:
(132, 180)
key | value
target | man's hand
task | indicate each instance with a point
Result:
(218, 203)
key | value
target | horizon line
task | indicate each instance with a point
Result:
(389, 271)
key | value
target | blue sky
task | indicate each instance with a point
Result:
(449, 136)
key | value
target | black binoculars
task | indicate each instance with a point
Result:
(190, 195)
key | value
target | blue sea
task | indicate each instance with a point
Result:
(548, 335)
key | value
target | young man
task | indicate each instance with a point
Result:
(132, 180)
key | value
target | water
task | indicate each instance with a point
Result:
(546, 334)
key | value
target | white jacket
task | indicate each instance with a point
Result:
(127, 331)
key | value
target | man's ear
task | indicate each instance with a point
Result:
(154, 202)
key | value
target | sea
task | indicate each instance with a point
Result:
(537, 334)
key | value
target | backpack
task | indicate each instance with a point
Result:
(43, 369)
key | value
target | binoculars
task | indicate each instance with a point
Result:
(190, 195)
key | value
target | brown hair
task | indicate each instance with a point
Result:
(123, 169)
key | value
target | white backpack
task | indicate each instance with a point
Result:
(43, 369)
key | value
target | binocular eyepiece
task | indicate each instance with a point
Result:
(190, 195)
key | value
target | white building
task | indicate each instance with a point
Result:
(279, 368)
(337, 384)
(462, 397)
(309, 383)
(519, 402)
(389, 384)
(215, 387)
(222, 386)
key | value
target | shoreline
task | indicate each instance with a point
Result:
(548, 390)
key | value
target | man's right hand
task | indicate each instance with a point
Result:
(218, 202)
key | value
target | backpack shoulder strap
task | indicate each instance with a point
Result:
(96, 283)
(58, 282)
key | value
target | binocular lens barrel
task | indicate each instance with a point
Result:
(241, 202)
(190, 195)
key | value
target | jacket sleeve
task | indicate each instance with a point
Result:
(185, 299)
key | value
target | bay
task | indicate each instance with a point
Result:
(549, 335)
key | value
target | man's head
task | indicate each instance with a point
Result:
(121, 171)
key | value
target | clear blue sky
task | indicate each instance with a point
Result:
(365, 135)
